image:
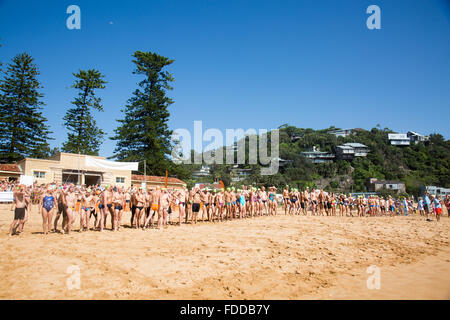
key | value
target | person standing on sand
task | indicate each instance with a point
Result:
(427, 205)
(220, 204)
(447, 205)
(140, 205)
(46, 204)
(28, 206)
(204, 197)
(155, 207)
(180, 195)
(19, 210)
(189, 212)
(132, 207)
(118, 202)
(437, 204)
(313, 202)
(61, 208)
(196, 200)
(103, 211)
(286, 199)
(227, 196)
(90, 202)
(164, 203)
(71, 199)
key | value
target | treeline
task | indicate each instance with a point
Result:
(415, 165)
(142, 133)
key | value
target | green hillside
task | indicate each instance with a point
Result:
(417, 165)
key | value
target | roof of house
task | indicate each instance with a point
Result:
(10, 167)
(355, 145)
(387, 182)
(139, 177)
(397, 136)
(345, 147)
(415, 134)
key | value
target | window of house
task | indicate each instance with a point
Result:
(120, 180)
(39, 174)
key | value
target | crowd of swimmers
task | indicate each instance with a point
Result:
(155, 207)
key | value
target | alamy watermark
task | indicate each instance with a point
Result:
(374, 20)
(73, 281)
(374, 280)
(74, 20)
(235, 143)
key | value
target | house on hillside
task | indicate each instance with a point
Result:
(439, 191)
(317, 156)
(204, 171)
(416, 137)
(348, 151)
(399, 139)
(375, 185)
(341, 132)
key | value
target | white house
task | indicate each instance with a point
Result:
(348, 151)
(399, 139)
(416, 137)
(317, 156)
(341, 132)
(203, 172)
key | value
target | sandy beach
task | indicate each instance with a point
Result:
(282, 257)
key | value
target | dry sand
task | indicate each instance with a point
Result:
(282, 257)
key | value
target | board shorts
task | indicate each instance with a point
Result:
(19, 214)
(439, 211)
(195, 207)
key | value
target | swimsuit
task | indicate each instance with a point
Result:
(47, 203)
(195, 207)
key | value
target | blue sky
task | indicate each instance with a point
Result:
(245, 63)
